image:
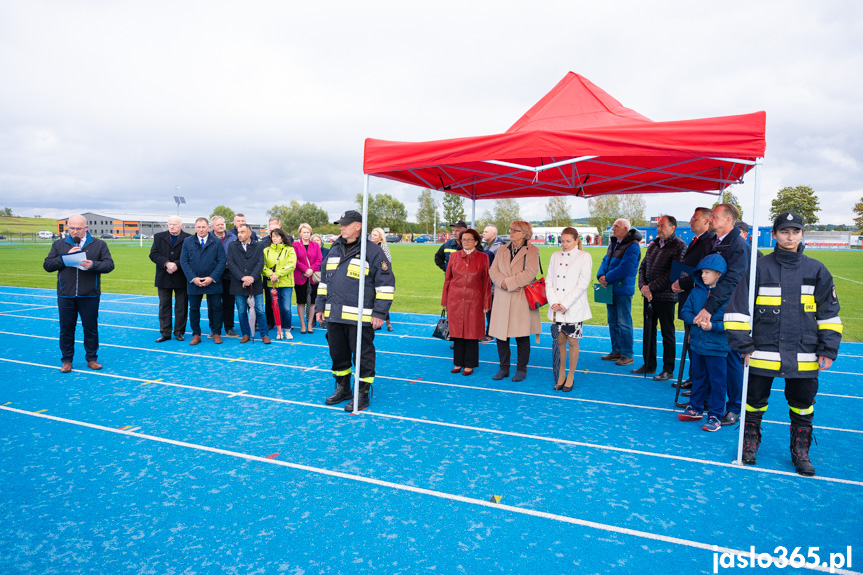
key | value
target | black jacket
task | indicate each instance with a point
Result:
(162, 252)
(248, 262)
(73, 282)
(735, 251)
(655, 268)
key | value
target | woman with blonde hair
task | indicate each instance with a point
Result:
(307, 274)
(566, 284)
(379, 237)
(514, 267)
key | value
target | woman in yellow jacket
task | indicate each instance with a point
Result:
(280, 259)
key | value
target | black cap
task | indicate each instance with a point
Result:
(459, 224)
(349, 217)
(788, 220)
(742, 226)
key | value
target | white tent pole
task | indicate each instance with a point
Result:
(473, 214)
(362, 292)
(753, 258)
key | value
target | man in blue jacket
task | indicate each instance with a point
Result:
(203, 263)
(618, 269)
(78, 289)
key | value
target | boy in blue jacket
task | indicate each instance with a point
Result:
(709, 347)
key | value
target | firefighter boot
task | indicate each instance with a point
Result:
(751, 440)
(801, 439)
(363, 397)
(343, 391)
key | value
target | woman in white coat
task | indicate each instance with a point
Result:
(568, 278)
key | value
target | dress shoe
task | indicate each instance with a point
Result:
(245, 339)
(500, 375)
(94, 364)
(663, 376)
(611, 357)
(266, 339)
(179, 337)
(684, 384)
(519, 376)
(642, 370)
(67, 367)
(196, 339)
(730, 418)
(686, 393)
(163, 338)
(230, 333)
(217, 338)
(624, 361)
(455, 370)
(467, 371)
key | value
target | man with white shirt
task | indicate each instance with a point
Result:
(203, 263)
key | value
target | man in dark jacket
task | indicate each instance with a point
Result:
(452, 245)
(735, 251)
(698, 248)
(170, 281)
(78, 288)
(245, 263)
(203, 263)
(223, 236)
(793, 333)
(618, 269)
(654, 281)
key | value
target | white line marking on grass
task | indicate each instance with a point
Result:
(848, 280)
(412, 489)
(485, 430)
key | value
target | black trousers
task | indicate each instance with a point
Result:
(342, 338)
(663, 313)
(181, 309)
(465, 352)
(800, 393)
(227, 302)
(70, 308)
(522, 345)
(214, 312)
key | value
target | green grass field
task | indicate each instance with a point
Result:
(418, 280)
(13, 226)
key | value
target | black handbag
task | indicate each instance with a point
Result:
(441, 330)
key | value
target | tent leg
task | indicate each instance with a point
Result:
(753, 258)
(362, 290)
(473, 213)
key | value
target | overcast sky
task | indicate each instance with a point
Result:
(112, 105)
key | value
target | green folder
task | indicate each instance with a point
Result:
(603, 294)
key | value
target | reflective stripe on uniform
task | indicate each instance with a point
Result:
(804, 411)
(367, 379)
(385, 292)
(807, 362)
(832, 323)
(750, 408)
(806, 299)
(354, 268)
(769, 296)
(322, 289)
(340, 372)
(351, 313)
(766, 360)
(807, 289)
(449, 250)
(736, 321)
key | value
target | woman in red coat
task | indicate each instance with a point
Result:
(466, 299)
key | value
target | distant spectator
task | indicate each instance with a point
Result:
(203, 263)
(279, 263)
(515, 266)
(379, 237)
(449, 247)
(246, 264)
(308, 267)
(566, 287)
(227, 299)
(466, 297)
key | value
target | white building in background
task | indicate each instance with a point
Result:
(125, 224)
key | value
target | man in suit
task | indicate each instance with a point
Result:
(203, 262)
(223, 236)
(170, 281)
(735, 251)
(78, 289)
(246, 262)
(700, 246)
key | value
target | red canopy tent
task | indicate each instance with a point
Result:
(578, 140)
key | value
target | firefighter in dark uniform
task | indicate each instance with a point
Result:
(795, 334)
(449, 247)
(337, 304)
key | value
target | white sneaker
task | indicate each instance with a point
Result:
(288, 335)
(279, 335)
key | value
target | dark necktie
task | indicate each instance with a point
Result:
(202, 243)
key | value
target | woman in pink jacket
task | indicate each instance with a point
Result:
(308, 268)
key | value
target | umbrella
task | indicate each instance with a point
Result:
(647, 332)
(277, 315)
(555, 352)
(682, 365)
(250, 301)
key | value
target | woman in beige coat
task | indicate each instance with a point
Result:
(514, 267)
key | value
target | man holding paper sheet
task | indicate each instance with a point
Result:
(80, 260)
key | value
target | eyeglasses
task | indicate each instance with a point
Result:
(515, 231)
(468, 239)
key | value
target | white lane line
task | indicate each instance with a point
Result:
(485, 430)
(11, 312)
(412, 489)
